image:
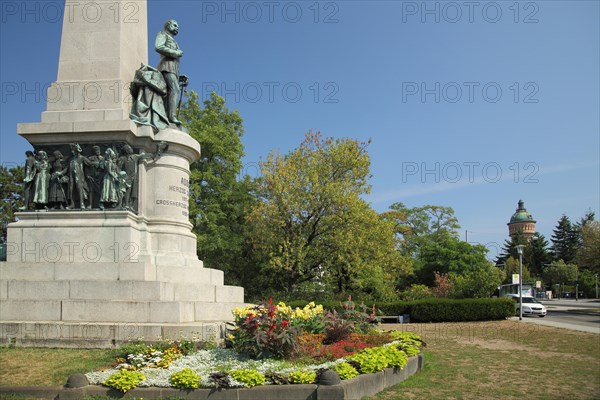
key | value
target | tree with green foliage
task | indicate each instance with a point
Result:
(11, 196)
(560, 273)
(564, 241)
(219, 201)
(416, 292)
(312, 225)
(588, 254)
(448, 254)
(587, 283)
(477, 283)
(417, 225)
(366, 261)
(511, 267)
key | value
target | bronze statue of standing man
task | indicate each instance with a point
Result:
(170, 53)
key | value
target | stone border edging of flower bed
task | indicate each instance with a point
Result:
(352, 389)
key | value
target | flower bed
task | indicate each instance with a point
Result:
(268, 345)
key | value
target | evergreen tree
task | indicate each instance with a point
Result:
(590, 216)
(510, 247)
(564, 241)
(536, 254)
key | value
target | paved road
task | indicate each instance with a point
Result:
(582, 315)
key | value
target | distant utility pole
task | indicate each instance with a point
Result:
(520, 251)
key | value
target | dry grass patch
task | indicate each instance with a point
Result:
(47, 367)
(503, 359)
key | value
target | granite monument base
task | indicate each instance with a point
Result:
(96, 278)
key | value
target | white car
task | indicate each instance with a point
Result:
(530, 305)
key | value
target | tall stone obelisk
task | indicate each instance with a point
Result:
(95, 278)
(103, 43)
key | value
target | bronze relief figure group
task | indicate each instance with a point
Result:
(96, 181)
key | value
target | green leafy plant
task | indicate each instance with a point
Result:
(377, 358)
(248, 377)
(406, 337)
(127, 348)
(371, 359)
(409, 349)
(124, 380)
(185, 379)
(345, 370)
(446, 310)
(302, 376)
(395, 357)
(309, 319)
(186, 346)
(409, 342)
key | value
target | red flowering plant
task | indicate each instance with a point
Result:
(343, 348)
(362, 317)
(261, 331)
(308, 345)
(315, 346)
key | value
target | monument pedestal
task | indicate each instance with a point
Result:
(96, 278)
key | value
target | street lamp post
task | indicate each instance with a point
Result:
(520, 251)
(577, 285)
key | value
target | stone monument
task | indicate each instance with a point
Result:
(112, 257)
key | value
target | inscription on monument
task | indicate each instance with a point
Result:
(178, 196)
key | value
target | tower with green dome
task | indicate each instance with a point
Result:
(522, 221)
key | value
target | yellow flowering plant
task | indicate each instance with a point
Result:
(310, 318)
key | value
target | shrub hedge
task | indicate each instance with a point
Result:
(437, 309)
(449, 310)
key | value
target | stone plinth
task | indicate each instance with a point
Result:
(103, 42)
(159, 230)
(68, 270)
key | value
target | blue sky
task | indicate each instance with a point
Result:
(472, 105)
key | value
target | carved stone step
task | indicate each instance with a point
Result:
(109, 272)
(102, 334)
(115, 311)
(117, 290)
